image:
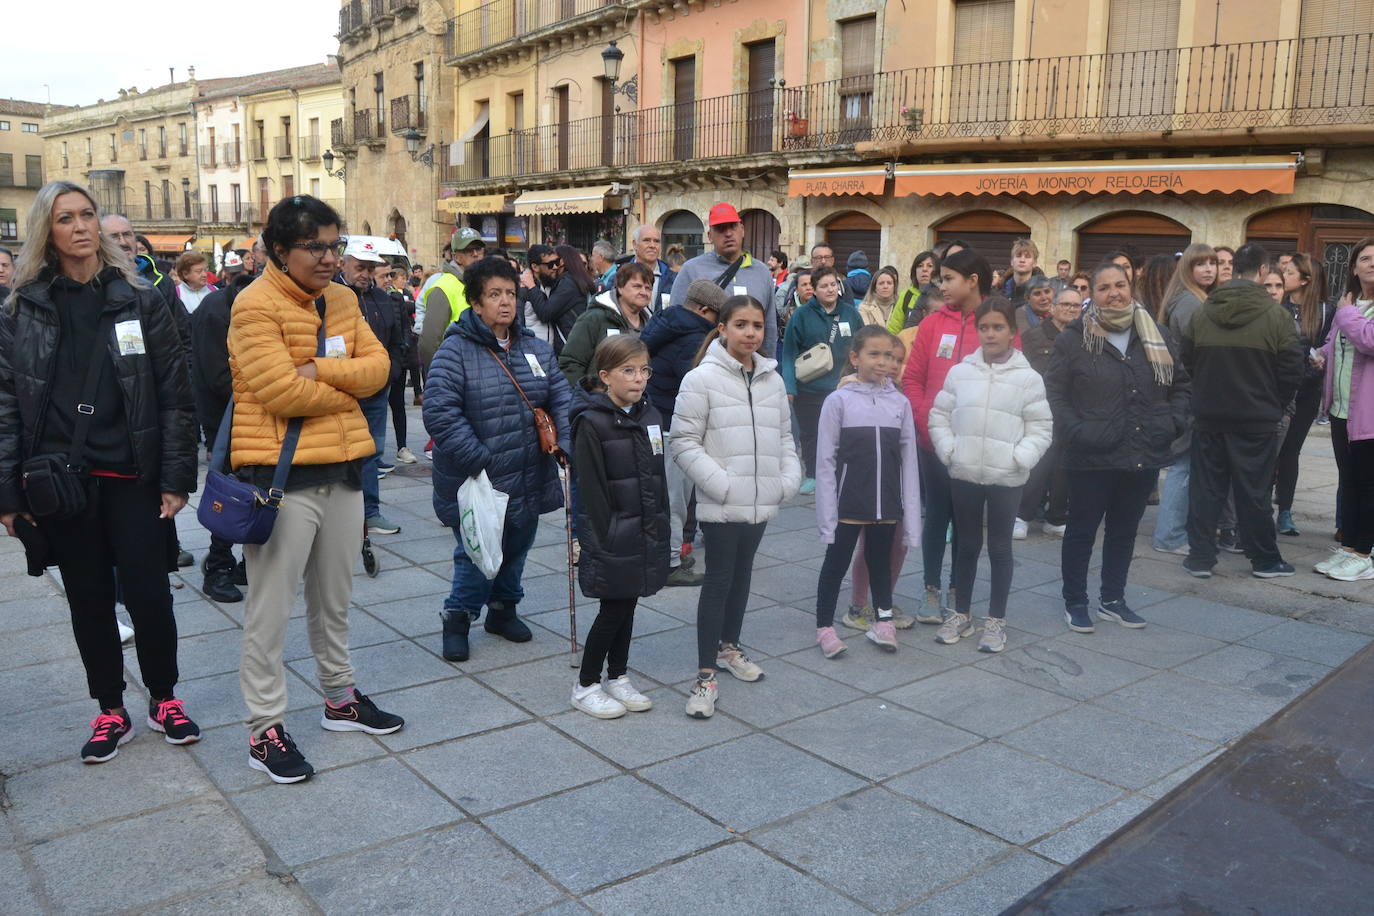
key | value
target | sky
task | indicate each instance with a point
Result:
(74, 52)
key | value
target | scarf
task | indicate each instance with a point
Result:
(1098, 322)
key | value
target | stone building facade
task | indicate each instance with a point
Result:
(23, 165)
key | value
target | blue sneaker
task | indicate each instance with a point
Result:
(808, 486)
(1118, 612)
(1078, 619)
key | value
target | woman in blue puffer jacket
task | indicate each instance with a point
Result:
(480, 422)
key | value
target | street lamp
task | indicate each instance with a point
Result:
(413, 138)
(611, 58)
(328, 158)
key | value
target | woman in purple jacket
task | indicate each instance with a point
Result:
(866, 483)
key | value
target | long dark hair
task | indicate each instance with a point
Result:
(1352, 281)
(576, 269)
(1159, 271)
(727, 311)
(1311, 301)
(968, 263)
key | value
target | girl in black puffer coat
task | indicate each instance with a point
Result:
(622, 517)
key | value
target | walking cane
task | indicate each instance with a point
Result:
(563, 473)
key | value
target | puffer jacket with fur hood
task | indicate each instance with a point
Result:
(273, 329)
(732, 436)
(991, 423)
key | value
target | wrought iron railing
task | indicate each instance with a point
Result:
(1256, 86)
(209, 156)
(257, 150)
(368, 124)
(406, 113)
(233, 153)
(283, 146)
(309, 147)
(500, 21)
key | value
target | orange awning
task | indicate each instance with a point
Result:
(850, 180)
(1229, 175)
(168, 242)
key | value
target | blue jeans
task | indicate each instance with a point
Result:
(1171, 525)
(472, 590)
(374, 410)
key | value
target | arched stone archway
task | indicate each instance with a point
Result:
(989, 232)
(1141, 232)
(396, 226)
(853, 231)
(367, 228)
(761, 232)
(683, 227)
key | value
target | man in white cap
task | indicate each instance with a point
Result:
(380, 309)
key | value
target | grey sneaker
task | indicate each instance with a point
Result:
(378, 524)
(738, 664)
(955, 628)
(994, 635)
(931, 612)
(622, 690)
(900, 620)
(701, 702)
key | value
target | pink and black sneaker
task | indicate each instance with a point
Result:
(169, 717)
(110, 730)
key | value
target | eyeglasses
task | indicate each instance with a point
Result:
(630, 373)
(1081, 287)
(556, 262)
(318, 249)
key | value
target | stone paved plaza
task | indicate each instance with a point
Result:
(934, 780)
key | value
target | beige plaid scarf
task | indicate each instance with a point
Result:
(1099, 321)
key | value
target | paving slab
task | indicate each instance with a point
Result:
(853, 845)
(978, 701)
(444, 710)
(264, 896)
(1122, 750)
(875, 739)
(542, 687)
(388, 666)
(1154, 647)
(159, 855)
(1000, 885)
(343, 810)
(554, 832)
(1068, 668)
(769, 781)
(19, 897)
(508, 766)
(218, 700)
(454, 869)
(1310, 642)
(639, 739)
(1209, 711)
(1265, 674)
(732, 878)
(871, 668)
(1068, 844)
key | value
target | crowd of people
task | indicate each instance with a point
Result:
(953, 404)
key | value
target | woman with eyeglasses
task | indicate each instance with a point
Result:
(488, 377)
(614, 312)
(275, 334)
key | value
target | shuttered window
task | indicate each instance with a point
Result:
(857, 48)
(857, 37)
(983, 32)
(1335, 55)
(1142, 58)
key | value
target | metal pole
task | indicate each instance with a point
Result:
(563, 474)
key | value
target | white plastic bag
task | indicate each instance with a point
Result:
(482, 518)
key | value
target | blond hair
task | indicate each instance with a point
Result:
(1182, 280)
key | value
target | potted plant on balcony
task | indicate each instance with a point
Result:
(913, 117)
(796, 125)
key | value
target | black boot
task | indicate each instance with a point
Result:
(241, 572)
(456, 624)
(219, 586)
(502, 621)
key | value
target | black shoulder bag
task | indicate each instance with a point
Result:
(724, 279)
(234, 509)
(54, 484)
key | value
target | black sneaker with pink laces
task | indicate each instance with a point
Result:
(276, 755)
(109, 731)
(169, 717)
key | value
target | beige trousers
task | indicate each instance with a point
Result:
(317, 536)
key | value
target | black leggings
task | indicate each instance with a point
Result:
(1355, 490)
(119, 533)
(1001, 502)
(808, 409)
(608, 641)
(396, 397)
(1286, 478)
(877, 557)
(939, 513)
(730, 549)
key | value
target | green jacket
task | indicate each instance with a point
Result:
(602, 319)
(809, 326)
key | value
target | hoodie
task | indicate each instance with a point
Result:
(1242, 352)
(859, 276)
(673, 337)
(602, 319)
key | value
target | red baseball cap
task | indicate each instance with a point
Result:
(723, 214)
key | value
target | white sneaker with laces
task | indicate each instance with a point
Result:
(1338, 556)
(594, 702)
(738, 664)
(1056, 531)
(1353, 569)
(1019, 529)
(405, 455)
(622, 691)
(994, 635)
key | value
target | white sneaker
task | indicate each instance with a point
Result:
(405, 455)
(738, 664)
(622, 691)
(956, 627)
(1054, 530)
(594, 702)
(701, 702)
(1019, 530)
(126, 633)
(1338, 556)
(1353, 569)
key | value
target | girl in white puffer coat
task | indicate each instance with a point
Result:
(732, 437)
(990, 425)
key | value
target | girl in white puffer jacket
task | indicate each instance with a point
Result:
(990, 425)
(732, 437)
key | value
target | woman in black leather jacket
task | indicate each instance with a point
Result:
(78, 308)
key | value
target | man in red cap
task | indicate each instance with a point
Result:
(731, 268)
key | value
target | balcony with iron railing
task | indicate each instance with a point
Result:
(232, 153)
(309, 147)
(351, 21)
(369, 126)
(172, 210)
(226, 214)
(407, 113)
(283, 147)
(209, 156)
(1246, 93)
(496, 24)
(257, 150)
